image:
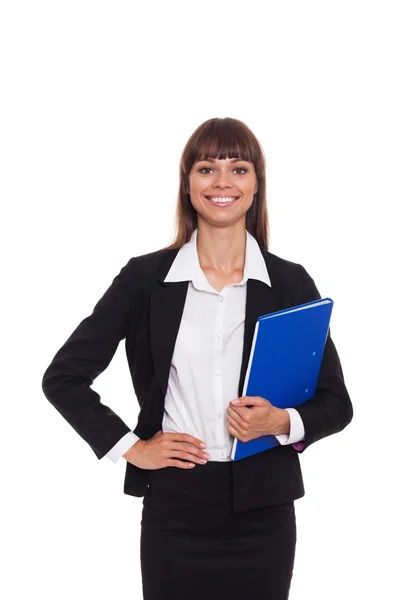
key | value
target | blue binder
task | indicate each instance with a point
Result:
(284, 362)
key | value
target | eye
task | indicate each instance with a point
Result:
(236, 169)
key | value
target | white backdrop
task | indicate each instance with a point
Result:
(97, 102)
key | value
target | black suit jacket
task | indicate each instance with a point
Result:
(146, 312)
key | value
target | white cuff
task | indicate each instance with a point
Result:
(122, 446)
(297, 430)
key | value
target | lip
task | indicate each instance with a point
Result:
(220, 196)
(219, 204)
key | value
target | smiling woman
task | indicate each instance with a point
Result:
(222, 159)
(224, 185)
(209, 525)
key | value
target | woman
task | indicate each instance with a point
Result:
(211, 528)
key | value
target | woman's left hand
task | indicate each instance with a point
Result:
(249, 423)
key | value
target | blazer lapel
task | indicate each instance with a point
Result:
(167, 302)
(260, 300)
(167, 305)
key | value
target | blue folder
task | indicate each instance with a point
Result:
(284, 362)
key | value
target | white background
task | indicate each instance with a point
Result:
(97, 102)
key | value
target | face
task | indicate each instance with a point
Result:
(225, 179)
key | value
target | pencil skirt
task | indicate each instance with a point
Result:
(194, 547)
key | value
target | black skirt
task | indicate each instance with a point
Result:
(194, 547)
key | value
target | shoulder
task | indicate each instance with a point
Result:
(291, 275)
(281, 269)
(145, 267)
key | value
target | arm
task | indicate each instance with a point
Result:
(87, 352)
(330, 410)
(119, 449)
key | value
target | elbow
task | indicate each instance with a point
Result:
(47, 391)
(348, 412)
(49, 385)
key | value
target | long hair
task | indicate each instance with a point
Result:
(221, 138)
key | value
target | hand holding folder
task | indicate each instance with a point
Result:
(284, 362)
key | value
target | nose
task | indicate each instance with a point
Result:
(222, 180)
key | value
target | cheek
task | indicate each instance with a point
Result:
(195, 182)
(251, 187)
(249, 201)
(196, 192)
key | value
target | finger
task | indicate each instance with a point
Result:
(234, 415)
(185, 437)
(190, 450)
(234, 432)
(235, 425)
(180, 464)
(177, 442)
(182, 453)
(236, 419)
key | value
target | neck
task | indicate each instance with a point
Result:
(221, 249)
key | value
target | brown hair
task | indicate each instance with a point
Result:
(222, 138)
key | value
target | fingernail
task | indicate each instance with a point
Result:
(203, 445)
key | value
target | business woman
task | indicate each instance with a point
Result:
(211, 528)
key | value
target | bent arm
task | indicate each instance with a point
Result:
(330, 410)
(67, 381)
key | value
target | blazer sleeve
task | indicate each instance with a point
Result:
(330, 410)
(67, 381)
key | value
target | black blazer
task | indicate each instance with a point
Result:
(146, 312)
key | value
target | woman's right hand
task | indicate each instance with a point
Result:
(165, 450)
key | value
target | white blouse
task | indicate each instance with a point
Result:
(206, 362)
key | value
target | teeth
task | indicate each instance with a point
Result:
(222, 200)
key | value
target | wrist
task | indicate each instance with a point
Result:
(132, 452)
(283, 422)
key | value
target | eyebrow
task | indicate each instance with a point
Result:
(214, 159)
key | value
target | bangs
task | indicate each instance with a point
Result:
(226, 139)
(222, 138)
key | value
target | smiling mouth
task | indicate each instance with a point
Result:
(222, 201)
